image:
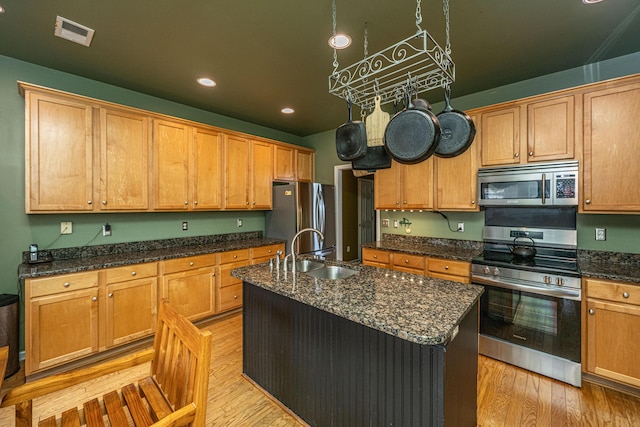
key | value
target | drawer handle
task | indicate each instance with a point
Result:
(446, 267)
(235, 256)
(94, 299)
(592, 311)
(406, 261)
(66, 284)
(110, 294)
(235, 297)
(270, 251)
(625, 294)
(133, 273)
(191, 263)
(375, 256)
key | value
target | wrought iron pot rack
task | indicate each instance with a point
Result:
(414, 65)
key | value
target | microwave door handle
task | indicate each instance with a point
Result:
(544, 190)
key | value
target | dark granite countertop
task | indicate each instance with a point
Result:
(73, 260)
(619, 266)
(412, 307)
(462, 250)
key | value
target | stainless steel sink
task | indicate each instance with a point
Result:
(332, 272)
(305, 265)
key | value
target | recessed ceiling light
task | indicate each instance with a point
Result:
(204, 81)
(591, 1)
(1, 9)
(288, 110)
(340, 41)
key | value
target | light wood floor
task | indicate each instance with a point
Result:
(507, 396)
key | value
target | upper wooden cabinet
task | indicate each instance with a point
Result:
(305, 160)
(207, 172)
(292, 164)
(59, 154)
(405, 186)
(611, 157)
(171, 151)
(248, 186)
(531, 130)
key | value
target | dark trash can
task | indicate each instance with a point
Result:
(9, 330)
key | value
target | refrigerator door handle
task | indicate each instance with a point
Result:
(321, 211)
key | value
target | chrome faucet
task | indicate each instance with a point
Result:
(293, 242)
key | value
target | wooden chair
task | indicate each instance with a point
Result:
(174, 394)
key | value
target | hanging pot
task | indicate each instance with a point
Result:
(523, 251)
(351, 139)
(457, 130)
(412, 135)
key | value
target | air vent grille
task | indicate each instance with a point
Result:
(73, 31)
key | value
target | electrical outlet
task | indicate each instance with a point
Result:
(348, 248)
(395, 223)
(239, 222)
(385, 222)
(106, 230)
(601, 234)
(185, 225)
(461, 227)
(66, 227)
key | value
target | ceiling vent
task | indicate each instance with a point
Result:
(73, 31)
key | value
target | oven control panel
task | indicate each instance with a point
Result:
(529, 278)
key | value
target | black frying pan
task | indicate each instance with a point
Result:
(412, 135)
(351, 139)
(457, 130)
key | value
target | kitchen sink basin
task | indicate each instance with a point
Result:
(332, 272)
(305, 265)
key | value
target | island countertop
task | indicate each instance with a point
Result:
(415, 308)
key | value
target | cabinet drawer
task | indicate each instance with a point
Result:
(64, 283)
(234, 256)
(130, 272)
(266, 251)
(375, 255)
(447, 266)
(613, 291)
(189, 263)
(415, 262)
(230, 297)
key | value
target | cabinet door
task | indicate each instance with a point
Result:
(124, 160)
(229, 287)
(237, 168)
(170, 165)
(612, 341)
(305, 166)
(284, 163)
(207, 169)
(500, 136)
(261, 175)
(192, 292)
(131, 310)
(386, 187)
(417, 185)
(59, 155)
(457, 181)
(611, 155)
(551, 129)
(62, 327)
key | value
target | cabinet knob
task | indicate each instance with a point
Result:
(375, 256)
(247, 203)
(270, 250)
(94, 299)
(588, 201)
(473, 202)
(191, 263)
(213, 274)
(516, 155)
(254, 203)
(66, 284)
(530, 153)
(592, 311)
(104, 202)
(235, 297)
(186, 203)
(110, 294)
(625, 294)
(195, 203)
(235, 256)
(406, 261)
(133, 273)
(446, 267)
(89, 202)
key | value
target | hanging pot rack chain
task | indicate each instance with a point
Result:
(416, 64)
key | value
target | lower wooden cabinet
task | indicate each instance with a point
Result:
(229, 288)
(375, 257)
(457, 271)
(408, 263)
(612, 325)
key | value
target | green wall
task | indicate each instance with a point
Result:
(623, 231)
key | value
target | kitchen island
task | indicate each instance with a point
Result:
(377, 348)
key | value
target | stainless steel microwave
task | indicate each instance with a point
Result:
(542, 184)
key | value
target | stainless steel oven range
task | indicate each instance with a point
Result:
(530, 311)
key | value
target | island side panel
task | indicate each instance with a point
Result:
(331, 371)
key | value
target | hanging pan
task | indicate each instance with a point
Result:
(412, 135)
(351, 139)
(457, 130)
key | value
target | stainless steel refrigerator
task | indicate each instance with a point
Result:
(301, 205)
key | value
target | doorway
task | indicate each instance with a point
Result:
(355, 214)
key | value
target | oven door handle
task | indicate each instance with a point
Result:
(554, 292)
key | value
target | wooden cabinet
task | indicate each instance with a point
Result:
(534, 129)
(59, 153)
(408, 263)
(375, 258)
(610, 171)
(130, 305)
(189, 285)
(171, 150)
(305, 161)
(265, 253)
(612, 324)
(292, 164)
(124, 160)
(248, 186)
(457, 271)
(405, 186)
(61, 319)
(229, 288)
(456, 181)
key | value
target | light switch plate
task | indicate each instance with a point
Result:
(385, 222)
